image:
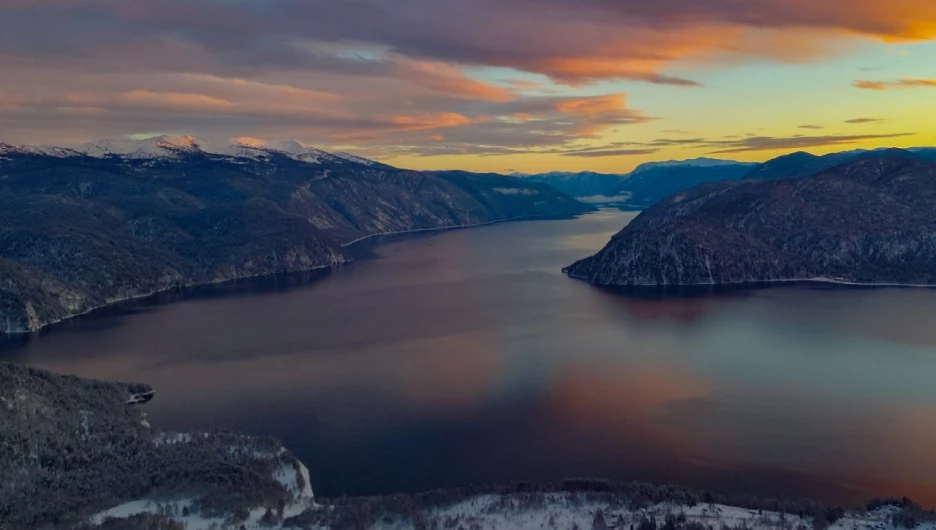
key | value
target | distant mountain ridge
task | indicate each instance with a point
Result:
(692, 162)
(646, 184)
(652, 182)
(168, 146)
(803, 164)
(80, 229)
(870, 220)
(580, 185)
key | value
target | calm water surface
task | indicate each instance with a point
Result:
(466, 357)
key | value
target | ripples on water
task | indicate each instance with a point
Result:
(466, 357)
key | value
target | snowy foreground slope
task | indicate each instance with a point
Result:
(71, 448)
(525, 511)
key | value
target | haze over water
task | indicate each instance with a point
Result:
(467, 357)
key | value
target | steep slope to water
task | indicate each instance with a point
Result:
(80, 231)
(71, 447)
(868, 221)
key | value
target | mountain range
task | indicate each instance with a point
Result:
(654, 181)
(868, 220)
(82, 228)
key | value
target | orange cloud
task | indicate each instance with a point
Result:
(578, 70)
(901, 83)
(522, 116)
(594, 105)
(450, 80)
(174, 99)
(431, 121)
(523, 84)
(256, 89)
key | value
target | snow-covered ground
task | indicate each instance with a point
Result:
(185, 512)
(561, 511)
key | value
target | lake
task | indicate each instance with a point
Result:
(466, 357)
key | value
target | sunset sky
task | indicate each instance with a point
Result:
(484, 85)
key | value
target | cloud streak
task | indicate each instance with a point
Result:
(760, 143)
(610, 152)
(859, 121)
(901, 83)
(767, 143)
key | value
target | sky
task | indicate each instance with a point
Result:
(481, 85)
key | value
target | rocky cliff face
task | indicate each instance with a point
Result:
(70, 448)
(868, 221)
(80, 231)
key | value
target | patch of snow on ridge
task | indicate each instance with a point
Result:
(295, 478)
(516, 191)
(354, 158)
(306, 492)
(47, 150)
(254, 147)
(172, 439)
(193, 521)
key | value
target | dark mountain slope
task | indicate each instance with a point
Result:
(71, 447)
(872, 220)
(78, 232)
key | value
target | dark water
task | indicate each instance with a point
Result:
(466, 357)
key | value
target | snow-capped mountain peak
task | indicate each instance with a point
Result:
(247, 146)
(174, 147)
(293, 149)
(154, 147)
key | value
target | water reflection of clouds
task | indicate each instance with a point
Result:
(619, 402)
(690, 425)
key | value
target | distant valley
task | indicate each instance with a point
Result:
(652, 182)
(646, 185)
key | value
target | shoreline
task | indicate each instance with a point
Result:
(142, 296)
(817, 280)
(463, 227)
(183, 287)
